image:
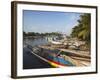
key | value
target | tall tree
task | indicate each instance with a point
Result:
(82, 30)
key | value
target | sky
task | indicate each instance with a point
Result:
(49, 21)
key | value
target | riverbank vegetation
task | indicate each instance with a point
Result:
(82, 29)
(41, 34)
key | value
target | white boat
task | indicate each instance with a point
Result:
(50, 39)
(55, 42)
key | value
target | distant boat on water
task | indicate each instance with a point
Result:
(53, 40)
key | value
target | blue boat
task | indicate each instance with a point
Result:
(51, 56)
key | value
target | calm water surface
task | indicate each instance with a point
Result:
(29, 60)
(35, 42)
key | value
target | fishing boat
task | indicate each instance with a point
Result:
(52, 57)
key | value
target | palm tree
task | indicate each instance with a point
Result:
(82, 30)
(85, 31)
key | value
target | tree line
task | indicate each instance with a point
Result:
(82, 29)
(41, 34)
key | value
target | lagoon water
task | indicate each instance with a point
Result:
(31, 62)
(35, 42)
